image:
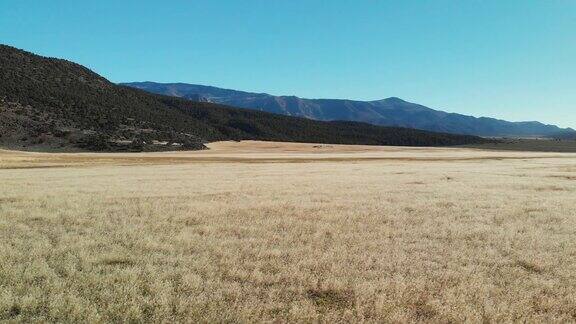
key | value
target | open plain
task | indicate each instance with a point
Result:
(262, 231)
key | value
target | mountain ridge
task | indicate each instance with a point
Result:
(51, 103)
(392, 111)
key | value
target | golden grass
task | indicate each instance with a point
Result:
(330, 233)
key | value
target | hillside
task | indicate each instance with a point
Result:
(48, 103)
(386, 112)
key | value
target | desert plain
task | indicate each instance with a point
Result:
(263, 231)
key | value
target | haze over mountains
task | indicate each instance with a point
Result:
(385, 112)
(54, 103)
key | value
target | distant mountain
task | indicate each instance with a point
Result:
(565, 135)
(385, 112)
(48, 103)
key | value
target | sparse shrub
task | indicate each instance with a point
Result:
(138, 145)
(95, 142)
(193, 145)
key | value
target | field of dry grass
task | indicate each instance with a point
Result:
(292, 232)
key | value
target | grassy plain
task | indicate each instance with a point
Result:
(258, 231)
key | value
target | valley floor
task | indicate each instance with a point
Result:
(260, 231)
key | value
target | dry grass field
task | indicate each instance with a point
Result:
(250, 232)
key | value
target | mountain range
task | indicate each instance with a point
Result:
(386, 112)
(50, 103)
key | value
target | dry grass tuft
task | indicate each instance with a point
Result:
(530, 266)
(552, 188)
(565, 177)
(422, 309)
(332, 298)
(116, 261)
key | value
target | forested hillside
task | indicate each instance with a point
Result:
(56, 104)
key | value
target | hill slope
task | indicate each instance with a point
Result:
(54, 103)
(386, 112)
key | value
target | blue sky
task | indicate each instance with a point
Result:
(511, 59)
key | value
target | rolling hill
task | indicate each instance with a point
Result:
(385, 112)
(49, 103)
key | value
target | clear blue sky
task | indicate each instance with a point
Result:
(512, 59)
